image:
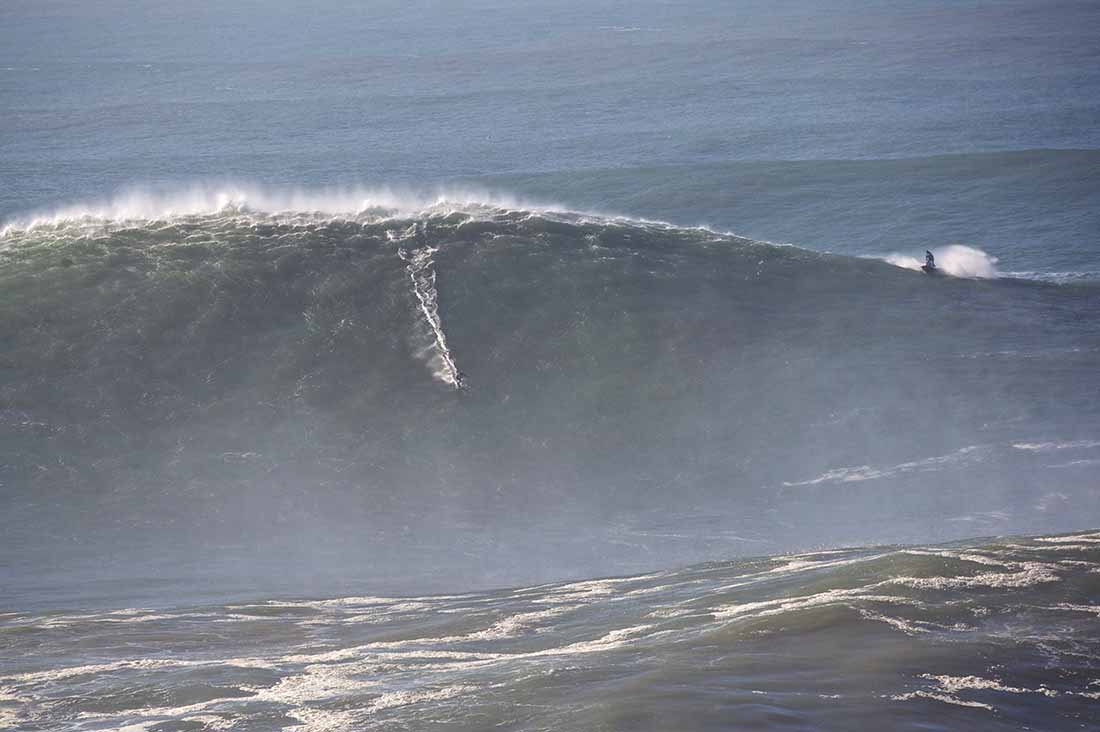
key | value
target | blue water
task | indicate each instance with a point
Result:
(307, 311)
(637, 108)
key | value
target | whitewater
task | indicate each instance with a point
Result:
(980, 635)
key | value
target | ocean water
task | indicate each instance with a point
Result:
(968, 636)
(347, 351)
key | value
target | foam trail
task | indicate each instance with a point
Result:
(1049, 446)
(421, 268)
(866, 472)
(956, 260)
(903, 260)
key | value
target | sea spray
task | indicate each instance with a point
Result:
(956, 260)
(137, 204)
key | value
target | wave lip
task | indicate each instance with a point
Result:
(142, 204)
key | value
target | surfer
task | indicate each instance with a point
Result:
(929, 262)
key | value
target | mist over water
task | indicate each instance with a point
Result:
(956, 260)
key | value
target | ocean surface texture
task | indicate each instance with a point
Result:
(347, 349)
(991, 635)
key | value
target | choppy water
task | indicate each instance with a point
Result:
(982, 635)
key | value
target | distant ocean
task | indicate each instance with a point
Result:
(549, 366)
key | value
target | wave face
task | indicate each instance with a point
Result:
(982, 635)
(275, 394)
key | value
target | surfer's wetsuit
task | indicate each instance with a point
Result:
(929, 260)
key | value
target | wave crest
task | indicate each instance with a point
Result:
(165, 203)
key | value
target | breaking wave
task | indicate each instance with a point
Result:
(141, 204)
(956, 260)
(469, 389)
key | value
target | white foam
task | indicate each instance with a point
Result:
(140, 204)
(324, 720)
(148, 664)
(946, 699)
(1029, 574)
(405, 650)
(1056, 277)
(156, 715)
(630, 29)
(1093, 609)
(128, 615)
(320, 682)
(860, 473)
(403, 698)
(960, 555)
(955, 684)
(610, 641)
(985, 517)
(956, 260)
(1089, 538)
(816, 553)
(583, 591)
(898, 623)
(1077, 464)
(1050, 446)
(340, 654)
(138, 726)
(517, 624)
(904, 261)
(9, 716)
(788, 604)
(800, 565)
(389, 604)
(421, 269)
(842, 475)
(212, 722)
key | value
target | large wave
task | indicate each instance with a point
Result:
(244, 376)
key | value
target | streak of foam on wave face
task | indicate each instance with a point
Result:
(421, 269)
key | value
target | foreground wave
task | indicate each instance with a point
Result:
(994, 635)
